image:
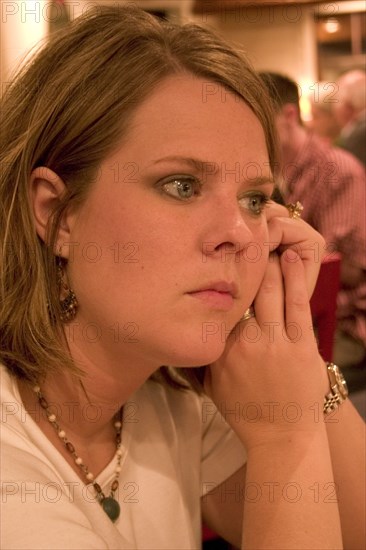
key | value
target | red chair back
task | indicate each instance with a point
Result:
(323, 304)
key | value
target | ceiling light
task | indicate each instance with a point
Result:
(332, 25)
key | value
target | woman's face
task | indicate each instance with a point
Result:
(169, 248)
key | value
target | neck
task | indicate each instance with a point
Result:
(85, 407)
(293, 145)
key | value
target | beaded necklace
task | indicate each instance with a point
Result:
(109, 504)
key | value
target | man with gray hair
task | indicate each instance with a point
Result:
(350, 112)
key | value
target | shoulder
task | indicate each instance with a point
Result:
(12, 410)
(335, 165)
(159, 404)
(181, 418)
(21, 441)
(346, 159)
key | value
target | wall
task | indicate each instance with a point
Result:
(276, 38)
(23, 24)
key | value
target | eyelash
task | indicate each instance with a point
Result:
(263, 201)
(178, 182)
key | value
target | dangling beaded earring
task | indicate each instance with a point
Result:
(69, 304)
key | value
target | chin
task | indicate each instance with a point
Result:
(197, 355)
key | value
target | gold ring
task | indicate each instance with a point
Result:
(248, 314)
(295, 210)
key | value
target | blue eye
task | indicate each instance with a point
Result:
(254, 202)
(182, 187)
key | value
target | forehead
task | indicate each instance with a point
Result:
(189, 115)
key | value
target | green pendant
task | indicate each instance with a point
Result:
(111, 508)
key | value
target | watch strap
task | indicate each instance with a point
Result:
(338, 389)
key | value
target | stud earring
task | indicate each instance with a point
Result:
(69, 303)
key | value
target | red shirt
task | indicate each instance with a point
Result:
(330, 184)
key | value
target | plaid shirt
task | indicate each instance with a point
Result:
(330, 183)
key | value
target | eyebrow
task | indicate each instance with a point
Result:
(198, 164)
(201, 166)
(261, 180)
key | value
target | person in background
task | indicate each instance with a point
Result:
(323, 122)
(350, 113)
(330, 183)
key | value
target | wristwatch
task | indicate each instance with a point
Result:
(338, 389)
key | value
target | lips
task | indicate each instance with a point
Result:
(219, 286)
(217, 295)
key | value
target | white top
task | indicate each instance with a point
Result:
(176, 447)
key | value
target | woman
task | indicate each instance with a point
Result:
(137, 229)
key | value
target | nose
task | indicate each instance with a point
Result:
(227, 231)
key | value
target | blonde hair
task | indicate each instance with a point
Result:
(67, 109)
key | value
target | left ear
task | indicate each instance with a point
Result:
(46, 189)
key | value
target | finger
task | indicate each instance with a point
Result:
(279, 219)
(274, 209)
(287, 233)
(269, 302)
(297, 307)
(292, 211)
